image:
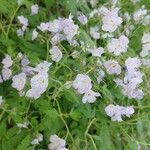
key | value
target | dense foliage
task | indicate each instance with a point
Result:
(79, 69)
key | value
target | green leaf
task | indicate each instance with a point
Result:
(75, 115)
(24, 143)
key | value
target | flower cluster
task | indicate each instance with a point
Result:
(62, 29)
(116, 112)
(6, 71)
(132, 79)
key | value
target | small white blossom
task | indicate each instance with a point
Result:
(20, 33)
(112, 67)
(34, 34)
(96, 51)
(19, 2)
(56, 54)
(94, 32)
(116, 112)
(7, 61)
(132, 64)
(6, 74)
(146, 38)
(82, 83)
(37, 140)
(90, 96)
(69, 28)
(23, 20)
(57, 143)
(19, 81)
(118, 46)
(39, 81)
(146, 62)
(55, 26)
(43, 67)
(19, 55)
(83, 19)
(39, 84)
(100, 76)
(139, 14)
(34, 9)
(23, 125)
(146, 20)
(43, 26)
(111, 20)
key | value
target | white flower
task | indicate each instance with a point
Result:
(6, 74)
(1, 100)
(112, 67)
(101, 75)
(127, 16)
(90, 96)
(20, 33)
(43, 26)
(56, 143)
(96, 51)
(34, 9)
(94, 32)
(57, 38)
(69, 28)
(33, 93)
(93, 2)
(19, 81)
(146, 21)
(82, 83)
(39, 81)
(146, 62)
(111, 20)
(137, 94)
(39, 84)
(139, 14)
(56, 54)
(23, 125)
(34, 34)
(7, 61)
(19, 55)
(116, 112)
(118, 46)
(83, 19)
(55, 26)
(146, 38)
(43, 67)
(37, 140)
(132, 63)
(23, 20)
(19, 2)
